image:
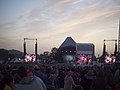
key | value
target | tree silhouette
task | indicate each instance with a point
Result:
(4, 54)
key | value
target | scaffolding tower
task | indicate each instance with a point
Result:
(118, 56)
(119, 38)
(24, 46)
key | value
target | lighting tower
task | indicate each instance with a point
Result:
(24, 45)
(119, 39)
(118, 57)
(104, 48)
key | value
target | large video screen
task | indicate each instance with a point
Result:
(110, 58)
(84, 59)
(30, 58)
(85, 53)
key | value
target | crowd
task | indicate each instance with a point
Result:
(59, 77)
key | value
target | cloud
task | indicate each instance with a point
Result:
(54, 20)
(85, 20)
(65, 11)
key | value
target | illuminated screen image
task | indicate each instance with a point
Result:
(30, 58)
(69, 58)
(84, 59)
(110, 58)
(85, 53)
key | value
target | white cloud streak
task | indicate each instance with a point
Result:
(82, 19)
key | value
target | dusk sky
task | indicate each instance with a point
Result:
(51, 21)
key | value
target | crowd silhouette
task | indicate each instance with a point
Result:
(59, 77)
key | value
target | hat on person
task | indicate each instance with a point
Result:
(36, 67)
(69, 73)
(22, 71)
(90, 73)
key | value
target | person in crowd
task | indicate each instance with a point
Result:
(109, 78)
(7, 83)
(61, 77)
(99, 83)
(57, 83)
(52, 77)
(38, 72)
(69, 82)
(116, 76)
(117, 79)
(117, 86)
(28, 82)
(77, 78)
(87, 79)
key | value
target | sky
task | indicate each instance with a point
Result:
(52, 21)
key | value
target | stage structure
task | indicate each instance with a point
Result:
(72, 52)
(31, 57)
(109, 57)
(66, 53)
